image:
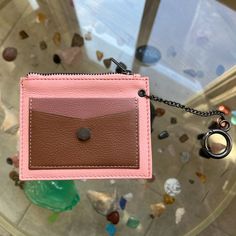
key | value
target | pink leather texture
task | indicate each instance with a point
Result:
(85, 87)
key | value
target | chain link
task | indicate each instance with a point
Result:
(142, 93)
(223, 125)
(187, 109)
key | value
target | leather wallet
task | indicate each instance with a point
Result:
(78, 126)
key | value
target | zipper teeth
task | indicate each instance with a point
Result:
(68, 73)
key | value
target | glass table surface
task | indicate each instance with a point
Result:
(187, 49)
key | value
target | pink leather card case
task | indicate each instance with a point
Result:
(76, 126)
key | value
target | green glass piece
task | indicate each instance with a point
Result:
(133, 222)
(55, 195)
(233, 120)
(53, 217)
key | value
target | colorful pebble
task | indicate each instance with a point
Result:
(57, 38)
(157, 209)
(220, 69)
(9, 54)
(163, 135)
(172, 187)
(113, 217)
(14, 175)
(111, 229)
(56, 59)
(107, 63)
(190, 72)
(128, 196)
(167, 199)
(201, 176)
(77, 40)
(184, 157)
(23, 34)
(173, 120)
(13, 160)
(233, 120)
(133, 222)
(148, 55)
(160, 112)
(41, 17)
(88, 36)
(99, 55)
(224, 109)
(122, 203)
(43, 45)
(183, 138)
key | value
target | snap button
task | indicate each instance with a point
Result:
(83, 134)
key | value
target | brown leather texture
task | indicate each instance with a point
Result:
(54, 143)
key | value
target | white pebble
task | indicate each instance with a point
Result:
(179, 214)
(128, 196)
(172, 187)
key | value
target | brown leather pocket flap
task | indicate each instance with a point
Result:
(112, 141)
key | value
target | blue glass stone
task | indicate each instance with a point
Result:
(191, 72)
(220, 70)
(171, 52)
(233, 120)
(184, 157)
(233, 113)
(148, 55)
(123, 202)
(111, 229)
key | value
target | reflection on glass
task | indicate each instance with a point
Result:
(112, 26)
(197, 43)
(217, 143)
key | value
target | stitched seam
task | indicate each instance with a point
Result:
(30, 128)
(148, 130)
(137, 145)
(68, 166)
(82, 176)
(82, 79)
(90, 176)
(22, 128)
(81, 166)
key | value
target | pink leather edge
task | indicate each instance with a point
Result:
(100, 86)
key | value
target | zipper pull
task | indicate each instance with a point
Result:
(121, 67)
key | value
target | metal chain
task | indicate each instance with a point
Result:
(223, 125)
(187, 109)
(142, 93)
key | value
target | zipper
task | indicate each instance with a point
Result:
(74, 73)
(124, 72)
(33, 75)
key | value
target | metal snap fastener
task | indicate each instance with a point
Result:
(83, 134)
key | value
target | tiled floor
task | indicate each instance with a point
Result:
(202, 201)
